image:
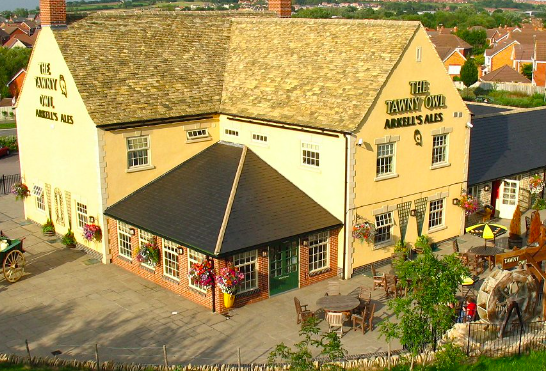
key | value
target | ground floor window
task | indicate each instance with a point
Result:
(247, 264)
(318, 251)
(170, 259)
(38, 192)
(436, 214)
(124, 240)
(81, 214)
(195, 257)
(383, 227)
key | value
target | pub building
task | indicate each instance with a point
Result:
(241, 138)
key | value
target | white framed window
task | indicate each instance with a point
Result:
(197, 134)
(436, 214)
(472, 191)
(385, 159)
(259, 138)
(319, 251)
(383, 228)
(38, 193)
(124, 240)
(144, 238)
(170, 260)
(247, 264)
(454, 70)
(81, 214)
(138, 151)
(439, 149)
(231, 132)
(310, 154)
(195, 257)
(418, 54)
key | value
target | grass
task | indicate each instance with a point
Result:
(506, 98)
(12, 367)
(7, 125)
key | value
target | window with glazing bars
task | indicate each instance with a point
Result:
(38, 192)
(385, 159)
(318, 251)
(383, 227)
(138, 151)
(81, 214)
(124, 240)
(198, 133)
(310, 154)
(436, 213)
(170, 260)
(195, 257)
(247, 264)
(439, 149)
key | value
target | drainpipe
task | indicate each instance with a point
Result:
(345, 242)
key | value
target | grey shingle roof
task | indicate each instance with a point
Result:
(506, 144)
(485, 109)
(321, 73)
(505, 74)
(187, 204)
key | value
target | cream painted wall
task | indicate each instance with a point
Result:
(53, 152)
(412, 162)
(282, 151)
(168, 148)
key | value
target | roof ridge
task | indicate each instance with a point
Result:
(511, 111)
(379, 22)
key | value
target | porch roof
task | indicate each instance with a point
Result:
(189, 203)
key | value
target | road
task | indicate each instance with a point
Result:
(7, 132)
(10, 165)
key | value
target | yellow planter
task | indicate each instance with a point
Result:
(229, 300)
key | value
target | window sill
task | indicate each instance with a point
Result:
(382, 245)
(170, 279)
(125, 259)
(198, 292)
(247, 293)
(319, 271)
(140, 168)
(439, 166)
(385, 177)
(437, 229)
(197, 140)
(315, 169)
(148, 268)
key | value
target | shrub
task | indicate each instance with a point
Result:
(450, 357)
(540, 204)
(10, 142)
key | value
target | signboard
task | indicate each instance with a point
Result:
(51, 86)
(421, 97)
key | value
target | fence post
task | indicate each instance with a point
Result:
(3, 184)
(239, 358)
(519, 345)
(28, 352)
(468, 341)
(97, 356)
(165, 356)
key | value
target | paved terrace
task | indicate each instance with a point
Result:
(68, 301)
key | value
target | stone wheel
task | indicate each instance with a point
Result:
(14, 266)
(503, 286)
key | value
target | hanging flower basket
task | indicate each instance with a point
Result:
(149, 254)
(92, 232)
(202, 274)
(228, 279)
(536, 184)
(468, 203)
(364, 231)
(20, 190)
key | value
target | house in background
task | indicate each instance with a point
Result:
(16, 83)
(505, 74)
(452, 50)
(539, 64)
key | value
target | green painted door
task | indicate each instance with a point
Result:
(283, 267)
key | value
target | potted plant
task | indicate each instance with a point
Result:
(364, 230)
(92, 232)
(202, 274)
(514, 238)
(401, 250)
(468, 203)
(20, 190)
(228, 279)
(69, 240)
(149, 254)
(48, 229)
(421, 244)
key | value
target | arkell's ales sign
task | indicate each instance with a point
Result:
(421, 98)
(50, 84)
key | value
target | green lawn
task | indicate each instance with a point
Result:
(7, 125)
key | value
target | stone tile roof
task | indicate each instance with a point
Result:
(322, 73)
(505, 74)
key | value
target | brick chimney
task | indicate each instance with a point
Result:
(53, 13)
(283, 8)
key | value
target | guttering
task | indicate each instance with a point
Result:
(154, 122)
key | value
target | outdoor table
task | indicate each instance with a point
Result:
(338, 303)
(486, 252)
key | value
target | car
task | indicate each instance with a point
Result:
(4, 151)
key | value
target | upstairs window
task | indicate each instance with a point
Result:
(439, 149)
(310, 154)
(259, 138)
(138, 152)
(197, 134)
(385, 159)
(231, 132)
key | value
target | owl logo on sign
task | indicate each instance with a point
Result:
(62, 85)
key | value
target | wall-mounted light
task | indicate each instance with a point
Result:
(264, 253)
(305, 243)
(487, 188)
(92, 219)
(132, 231)
(456, 201)
(413, 212)
(180, 250)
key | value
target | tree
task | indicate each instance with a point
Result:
(527, 70)
(534, 229)
(515, 224)
(11, 61)
(431, 283)
(469, 73)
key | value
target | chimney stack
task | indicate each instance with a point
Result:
(53, 13)
(283, 8)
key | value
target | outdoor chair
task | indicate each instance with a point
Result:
(378, 278)
(455, 246)
(390, 285)
(360, 319)
(335, 322)
(333, 288)
(302, 312)
(365, 296)
(527, 225)
(370, 315)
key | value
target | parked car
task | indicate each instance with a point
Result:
(4, 151)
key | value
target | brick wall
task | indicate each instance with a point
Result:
(307, 278)
(283, 8)
(539, 75)
(503, 58)
(53, 12)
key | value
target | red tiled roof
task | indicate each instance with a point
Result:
(449, 40)
(505, 74)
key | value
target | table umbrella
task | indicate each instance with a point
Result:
(487, 231)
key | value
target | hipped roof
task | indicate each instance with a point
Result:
(320, 73)
(505, 74)
(188, 204)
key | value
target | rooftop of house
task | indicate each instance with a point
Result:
(187, 204)
(540, 51)
(445, 52)
(480, 109)
(523, 52)
(320, 73)
(450, 41)
(500, 46)
(6, 102)
(506, 144)
(505, 74)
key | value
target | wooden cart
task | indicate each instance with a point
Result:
(12, 259)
